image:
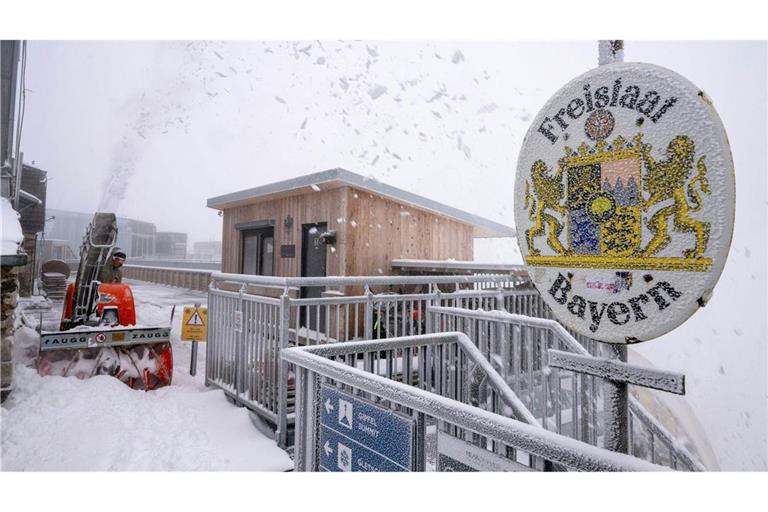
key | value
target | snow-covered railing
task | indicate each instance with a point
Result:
(244, 344)
(419, 376)
(243, 350)
(304, 282)
(562, 401)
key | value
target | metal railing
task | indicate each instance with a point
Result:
(562, 401)
(433, 378)
(248, 330)
(244, 342)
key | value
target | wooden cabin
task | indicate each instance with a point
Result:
(338, 223)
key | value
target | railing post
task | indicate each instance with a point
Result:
(240, 362)
(282, 377)
(368, 314)
(300, 425)
(616, 405)
(428, 319)
(498, 346)
(212, 333)
(434, 300)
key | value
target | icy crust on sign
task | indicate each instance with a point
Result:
(627, 183)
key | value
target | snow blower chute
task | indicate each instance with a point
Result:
(93, 338)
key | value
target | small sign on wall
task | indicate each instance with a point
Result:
(288, 251)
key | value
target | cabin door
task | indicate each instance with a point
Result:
(313, 264)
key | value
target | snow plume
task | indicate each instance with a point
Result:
(164, 108)
(121, 169)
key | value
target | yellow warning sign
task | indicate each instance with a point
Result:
(194, 324)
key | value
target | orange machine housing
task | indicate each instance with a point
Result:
(110, 294)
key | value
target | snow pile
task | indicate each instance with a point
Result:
(26, 345)
(12, 235)
(100, 424)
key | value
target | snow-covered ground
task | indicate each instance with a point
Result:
(99, 424)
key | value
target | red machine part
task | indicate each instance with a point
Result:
(144, 366)
(117, 295)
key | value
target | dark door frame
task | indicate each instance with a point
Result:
(260, 233)
(312, 291)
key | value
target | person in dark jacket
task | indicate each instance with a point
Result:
(112, 272)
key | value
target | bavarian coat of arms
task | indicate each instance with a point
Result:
(602, 193)
(624, 202)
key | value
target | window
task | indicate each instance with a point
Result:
(258, 251)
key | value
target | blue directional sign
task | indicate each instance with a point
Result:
(356, 435)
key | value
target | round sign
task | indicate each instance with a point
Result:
(625, 202)
(101, 338)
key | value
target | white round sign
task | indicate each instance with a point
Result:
(625, 202)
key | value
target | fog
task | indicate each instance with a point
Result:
(150, 130)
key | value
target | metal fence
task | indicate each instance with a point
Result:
(562, 401)
(244, 341)
(439, 380)
(248, 329)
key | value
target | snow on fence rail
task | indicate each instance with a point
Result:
(562, 401)
(248, 328)
(431, 378)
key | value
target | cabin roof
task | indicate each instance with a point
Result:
(334, 178)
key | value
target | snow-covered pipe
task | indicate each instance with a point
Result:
(356, 280)
(648, 421)
(531, 439)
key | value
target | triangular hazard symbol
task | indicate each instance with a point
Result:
(195, 319)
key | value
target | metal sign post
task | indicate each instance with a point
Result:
(616, 399)
(194, 327)
(616, 404)
(628, 192)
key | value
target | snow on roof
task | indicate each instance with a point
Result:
(12, 235)
(484, 228)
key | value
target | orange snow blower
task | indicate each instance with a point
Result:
(93, 338)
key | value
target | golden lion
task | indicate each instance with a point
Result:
(666, 180)
(549, 192)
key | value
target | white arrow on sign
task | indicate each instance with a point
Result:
(327, 448)
(328, 406)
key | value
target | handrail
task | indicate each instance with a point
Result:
(511, 318)
(566, 337)
(507, 395)
(357, 280)
(532, 439)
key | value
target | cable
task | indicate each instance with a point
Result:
(20, 124)
(23, 96)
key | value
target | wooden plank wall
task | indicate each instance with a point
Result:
(323, 206)
(380, 230)
(371, 231)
